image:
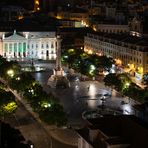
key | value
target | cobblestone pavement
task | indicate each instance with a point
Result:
(77, 99)
(66, 136)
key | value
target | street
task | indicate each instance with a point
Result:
(82, 96)
(33, 130)
(78, 98)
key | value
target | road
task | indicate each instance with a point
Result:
(78, 98)
(75, 100)
(33, 130)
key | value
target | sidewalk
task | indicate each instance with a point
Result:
(66, 136)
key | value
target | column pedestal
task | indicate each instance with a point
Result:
(58, 79)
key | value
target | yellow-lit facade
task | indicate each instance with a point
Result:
(133, 57)
(79, 16)
(36, 5)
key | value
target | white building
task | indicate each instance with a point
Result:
(24, 45)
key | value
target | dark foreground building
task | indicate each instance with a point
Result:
(114, 132)
(12, 138)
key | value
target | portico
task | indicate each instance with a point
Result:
(30, 45)
(14, 46)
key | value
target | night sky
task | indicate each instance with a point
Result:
(28, 4)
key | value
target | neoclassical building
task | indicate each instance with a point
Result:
(25, 45)
(129, 52)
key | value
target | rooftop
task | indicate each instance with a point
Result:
(125, 38)
(114, 130)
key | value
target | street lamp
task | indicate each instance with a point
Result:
(47, 105)
(31, 91)
(92, 68)
(18, 78)
(127, 84)
(10, 73)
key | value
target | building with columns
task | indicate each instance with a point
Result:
(25, 45)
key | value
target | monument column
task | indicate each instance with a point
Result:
(58, 79)
(58, 51)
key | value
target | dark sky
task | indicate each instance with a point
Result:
(24, 3)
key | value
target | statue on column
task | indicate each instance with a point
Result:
(58, 79)
(58, 69)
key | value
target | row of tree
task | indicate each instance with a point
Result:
(92, 64)
(44, 104)
(87, 64)
(123, 84)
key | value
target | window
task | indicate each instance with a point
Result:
(24, 47)
(47, 46)
(20, 47)
(42, 46)
(6, 47)
(15, 47)
(52, 45)
(10, 47)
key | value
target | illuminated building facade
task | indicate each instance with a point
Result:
(25, 45)
(36, 5)
(77, 15)
(128, 51)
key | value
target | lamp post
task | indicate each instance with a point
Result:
(10, 73)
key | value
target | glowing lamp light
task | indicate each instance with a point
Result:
(90, 52)
(47, 105)
(18, 78)
(92, 68)
(10, 107)
(10, 73)
(127, 84)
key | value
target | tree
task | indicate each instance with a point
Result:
(21, 82)
(9, 69)
(7, 103)
(54, 115)
(112, 80)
